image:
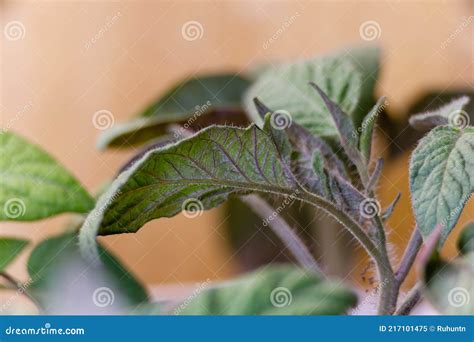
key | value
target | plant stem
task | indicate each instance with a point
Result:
(388, 287)
(348, 223)
(283, 231)
(410, 301)
(388, 284)
(409, 256)
(18, 286)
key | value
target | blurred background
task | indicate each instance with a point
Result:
(74, 58)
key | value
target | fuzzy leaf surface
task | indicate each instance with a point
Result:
(195, 174)
(442, 178)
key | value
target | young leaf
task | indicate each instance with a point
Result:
(58, 254)
(367, 129)
(388, 212)
(217, 96)
(33, 185)
(306, 143)
(442, 177)
(196, 173)
(286, 88)
(450, 113)
(9, 249)
(375, 176)
(347, 197)
(273, 290)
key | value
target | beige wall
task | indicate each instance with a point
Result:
(57, 77)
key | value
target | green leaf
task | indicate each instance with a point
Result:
(33, 185)
(449, 286)
(57, 254)
(285, 87)
(273, 290)
(196, 173)
(367, 128)
(187, 103)
(366, 59)
(389, 210)
(442, 178)
(466, 239)
(450, 114)
(344, 127)
(9, 249)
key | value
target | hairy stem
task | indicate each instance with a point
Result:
(18, 286)
(348, 223)
(409, 256)
(411, 300)
(388, 287)
(283, 231)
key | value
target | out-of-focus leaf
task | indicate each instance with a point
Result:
(450, 113)
(449, 286)
(60, 254)
(9, 250)
(285, 87)
(466, 239)
(366, 59)
(204, 99)
(33, 185)
(273, 290)
(442, 178)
